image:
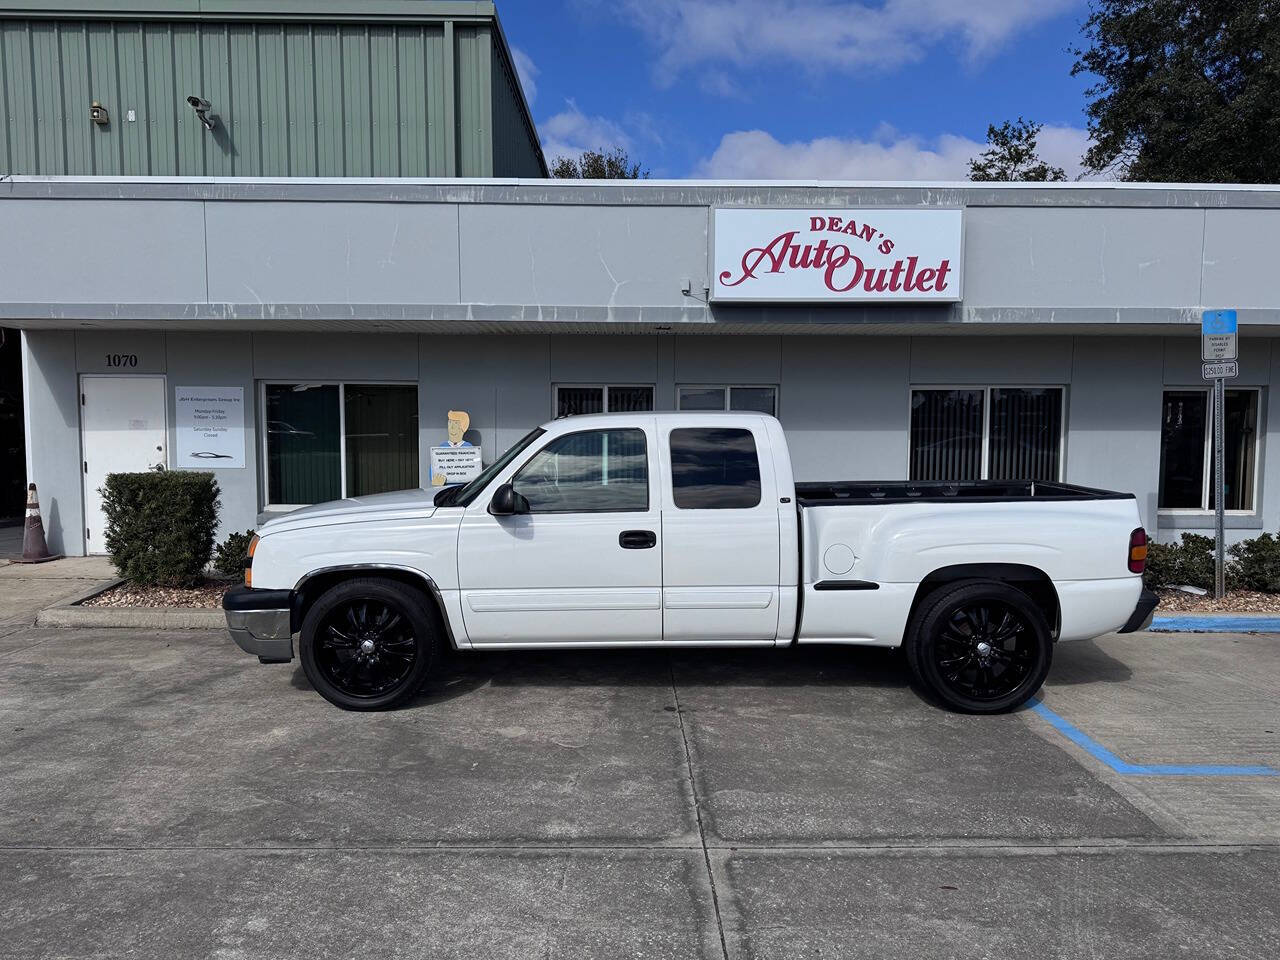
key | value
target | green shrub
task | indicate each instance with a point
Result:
(1255, 564)
(1162, 565)
(160, 526)
(1195, 561)
(1189, 562)
(230, 554)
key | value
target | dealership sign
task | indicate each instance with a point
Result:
(837, 256)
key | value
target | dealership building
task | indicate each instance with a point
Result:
(283, 240)
(306, 339)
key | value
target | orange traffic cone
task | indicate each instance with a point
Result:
(34, 549)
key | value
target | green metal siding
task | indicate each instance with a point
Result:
(515, 142)
(475, 115)
(338, 98)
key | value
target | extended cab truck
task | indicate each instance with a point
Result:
(687, 529)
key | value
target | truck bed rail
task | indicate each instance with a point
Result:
(969, 491)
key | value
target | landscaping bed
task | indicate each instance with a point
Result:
(1236, 601)
(207, 595)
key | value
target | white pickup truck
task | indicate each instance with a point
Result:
(684, 530)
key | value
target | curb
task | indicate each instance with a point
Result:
(1216, 623)
(69, 613)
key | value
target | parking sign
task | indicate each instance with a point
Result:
(1218, 335)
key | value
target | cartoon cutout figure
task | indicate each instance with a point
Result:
(459, 423)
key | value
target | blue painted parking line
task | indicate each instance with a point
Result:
(1222, 624)
(1099, 752)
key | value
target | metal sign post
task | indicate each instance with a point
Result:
(1219, 573)
(1219, 351)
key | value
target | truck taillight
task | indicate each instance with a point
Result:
(1138, 551)
(248, 561)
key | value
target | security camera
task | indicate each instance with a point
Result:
(202, 107)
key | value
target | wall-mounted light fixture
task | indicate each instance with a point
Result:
(202, 108)
(98, 114)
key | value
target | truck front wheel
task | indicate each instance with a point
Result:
(368, 644)
(980, 646)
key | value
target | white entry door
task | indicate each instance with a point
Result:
(123, 430)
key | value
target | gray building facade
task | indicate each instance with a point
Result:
(350, 316)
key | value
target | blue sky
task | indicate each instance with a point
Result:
(877, 89)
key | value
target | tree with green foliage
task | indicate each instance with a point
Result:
(614, 164)
(1186, 90)
(1011, 155)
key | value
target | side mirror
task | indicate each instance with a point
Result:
(507, 503)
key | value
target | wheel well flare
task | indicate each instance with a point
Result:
(1032, 581)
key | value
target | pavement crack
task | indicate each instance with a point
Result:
(697, 811)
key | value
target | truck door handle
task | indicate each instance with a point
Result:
(637, 539)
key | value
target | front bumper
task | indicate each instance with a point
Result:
(261, 622)
(1142, 613)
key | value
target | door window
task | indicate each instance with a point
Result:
(714, 469)
(595, 471)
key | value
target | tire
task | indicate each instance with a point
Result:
(369, 644)
(980, 646)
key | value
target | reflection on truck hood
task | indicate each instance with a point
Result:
(418, 503)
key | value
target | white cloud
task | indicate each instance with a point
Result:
(757, 155)
(569, 132)
(528, 72)
(1063, 147)
(818, 35)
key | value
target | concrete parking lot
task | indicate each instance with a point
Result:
(163, 795)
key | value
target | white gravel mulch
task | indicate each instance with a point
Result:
(207, 595)
(1236, 601)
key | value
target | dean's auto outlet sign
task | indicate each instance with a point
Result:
(842, 256)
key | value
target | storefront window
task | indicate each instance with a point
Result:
(986, 433)
(574, 401)
(946, 434)
(755, 399)
(1186, 449)
(329, 440)
(382, 437)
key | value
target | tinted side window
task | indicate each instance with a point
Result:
(596, 471)
(714, 469)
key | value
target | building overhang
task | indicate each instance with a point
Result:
(468, 256)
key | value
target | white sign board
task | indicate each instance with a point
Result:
(454, 464)
(1226, 369)
(837, 256)
(210, 423)
(1218, 335)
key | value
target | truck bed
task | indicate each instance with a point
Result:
(838, 492)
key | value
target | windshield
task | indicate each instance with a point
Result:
(462, 496)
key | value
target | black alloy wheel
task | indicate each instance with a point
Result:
(985, 650)
(368, 644)
(982, 647)
(365, 647)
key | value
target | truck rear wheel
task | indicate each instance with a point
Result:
(368, 644)
(980, 646)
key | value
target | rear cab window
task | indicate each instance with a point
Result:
(714, 468)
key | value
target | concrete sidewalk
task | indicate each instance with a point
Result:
(27, 588)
